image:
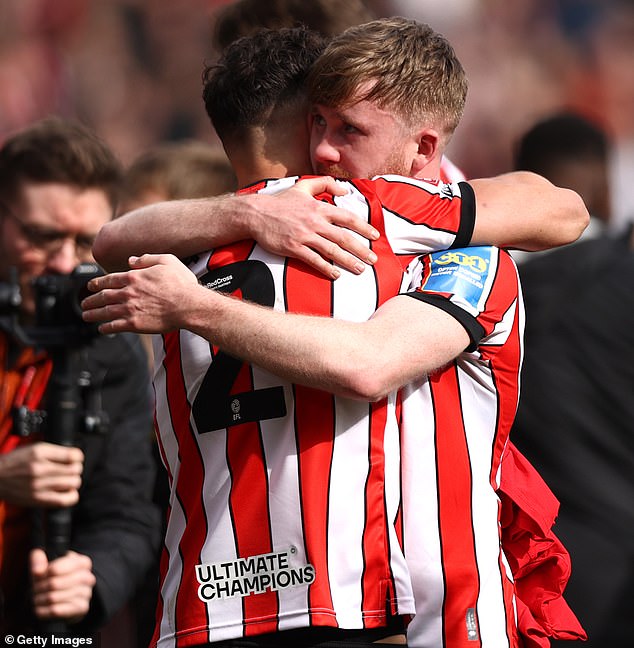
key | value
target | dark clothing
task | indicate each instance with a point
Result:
(318, 637)
(115, 521)
(576, 418)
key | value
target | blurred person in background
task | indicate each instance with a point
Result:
(602, 32)
(58, 185)
(54, 57)
(327, 17)
(576, 408)
(571, 151)
(174, 170)
(574, 152)
(35, 72)
(514, 56)
(169, 171)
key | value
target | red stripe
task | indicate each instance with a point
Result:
(190, 610)
(388, 269)
(230, 254)
(505, 360)
(249, 484)
(249, 506)
(505, 366)
(375, 538)
(455, 511)
(254, 188)
(419, 205)
(307, 292)
(314, 412)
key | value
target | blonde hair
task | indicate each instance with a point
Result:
(404, 65)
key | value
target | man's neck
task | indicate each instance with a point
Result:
(248, 175)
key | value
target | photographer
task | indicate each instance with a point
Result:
(58, 186)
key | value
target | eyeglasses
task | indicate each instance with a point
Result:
(51, 241)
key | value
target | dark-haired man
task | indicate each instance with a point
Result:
(319, 473)
(58, 186)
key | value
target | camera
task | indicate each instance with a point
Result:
(58, 328)
(58, 320)
(73, 399)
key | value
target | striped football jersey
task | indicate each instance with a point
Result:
(281, 495)
(455, 426)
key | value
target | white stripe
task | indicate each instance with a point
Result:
(392, 448)
(219, 544)
(346, 510)
(283, 470)
(421, 525)
(177, 523)
(169, 591)
(479, 405)
(349, 469)
(406, 237)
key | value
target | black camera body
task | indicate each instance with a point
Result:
(58, 320)
(73, 398)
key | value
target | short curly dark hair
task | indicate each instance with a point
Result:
(257, 74)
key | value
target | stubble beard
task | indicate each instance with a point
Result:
(393, 165)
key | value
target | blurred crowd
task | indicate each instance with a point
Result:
(131, 69)
(551, 89)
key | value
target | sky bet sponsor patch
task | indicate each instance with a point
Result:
(460, 272)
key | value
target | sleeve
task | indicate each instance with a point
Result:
(426, 216)
(479, 286)
(116, 522)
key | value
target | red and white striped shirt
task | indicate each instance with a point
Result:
(280, 494)
(455, 426)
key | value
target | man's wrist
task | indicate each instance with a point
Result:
(248, 215)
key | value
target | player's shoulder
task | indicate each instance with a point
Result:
(480, 260)
(398, 185)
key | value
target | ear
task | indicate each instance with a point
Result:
(426, 161)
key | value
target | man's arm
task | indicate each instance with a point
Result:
(351, 359)
(516, 210)
(184, 227)
(523, 210)
(116, 507)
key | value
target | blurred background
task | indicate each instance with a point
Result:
(131, 70)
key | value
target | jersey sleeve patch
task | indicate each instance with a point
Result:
(461, 275)
(459, 282)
